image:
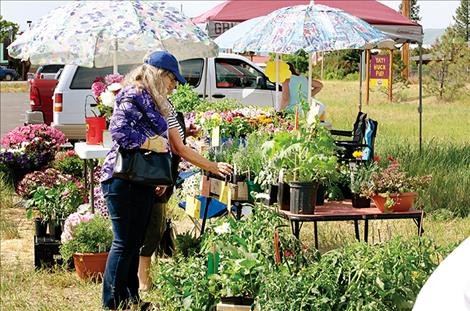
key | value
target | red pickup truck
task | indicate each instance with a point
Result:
(41, 92)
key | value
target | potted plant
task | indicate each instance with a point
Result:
(54, 204)
(391, 189)
(360, 174)
(87, 238)
(308, 158)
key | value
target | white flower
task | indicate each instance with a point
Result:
(114, 87)
(223, 228)
(24, 144)
(107, 98)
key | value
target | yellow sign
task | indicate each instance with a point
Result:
(284, 72)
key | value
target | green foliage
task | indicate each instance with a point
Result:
(7, 29)
(248, 159)
(358, 277)
(184, 99)
(187, 245)
(449, 68)
(89, 237)
(225, 104)
(462, 20)
(56, 203)
(71, 165)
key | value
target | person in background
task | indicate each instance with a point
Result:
(130, 204)
(177, 135)
(290, 89)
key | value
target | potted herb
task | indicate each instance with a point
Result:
(360, 174)
(87, 238)
(391, 189)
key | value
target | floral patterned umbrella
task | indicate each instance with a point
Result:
(89, 33)
(311, 28)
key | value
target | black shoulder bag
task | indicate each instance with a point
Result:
(142, 166)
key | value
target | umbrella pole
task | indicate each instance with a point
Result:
(420, 109)
(277, 82)
(360, 80)
(115, 49)
(309, 79)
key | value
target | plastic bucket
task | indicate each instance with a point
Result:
(94, 130)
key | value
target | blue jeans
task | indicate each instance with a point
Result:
(129, 208)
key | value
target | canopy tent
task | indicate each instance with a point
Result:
(393, 24)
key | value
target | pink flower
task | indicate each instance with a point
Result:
(98, 88)
(113, 78)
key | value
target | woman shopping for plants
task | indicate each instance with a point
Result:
(177, 133)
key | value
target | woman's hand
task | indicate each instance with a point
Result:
(156, 143)
(221, 168)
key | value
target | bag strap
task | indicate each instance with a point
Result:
(142, 111)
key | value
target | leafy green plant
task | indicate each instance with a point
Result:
(184, 99)
(225, 104)
(247, 159)
(68, 163)
(91, 236)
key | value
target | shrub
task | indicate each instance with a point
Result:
(85, 233)
(68, 162)
(184, 99)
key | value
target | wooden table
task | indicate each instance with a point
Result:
(343, 211)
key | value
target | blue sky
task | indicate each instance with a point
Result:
(434, 13)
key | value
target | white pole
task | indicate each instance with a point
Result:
(277, 82)
(322, 58)
(115, 49)
(309, 79)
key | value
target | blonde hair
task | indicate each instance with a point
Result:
(155, 81)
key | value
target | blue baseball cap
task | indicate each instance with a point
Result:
(165, 60)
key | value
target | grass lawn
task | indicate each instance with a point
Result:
(446, 155)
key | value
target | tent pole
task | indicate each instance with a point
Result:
(115, 49)
(367, 75)
(309, 80)
(360, 80)
(420, 109)
(277, 83)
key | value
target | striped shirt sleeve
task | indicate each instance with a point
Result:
(173, 121)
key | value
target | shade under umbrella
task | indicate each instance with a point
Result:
(86, 33)
(310, 28)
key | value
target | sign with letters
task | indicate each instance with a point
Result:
(216, 28)
(379, 70)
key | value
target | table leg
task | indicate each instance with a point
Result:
(92, 185)
(356, 229)
(239, 210)
(296, 230)
(366, 230)
(85, 173)
(315, 229)
(419, 223)
(206, 208)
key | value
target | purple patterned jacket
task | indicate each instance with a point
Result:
(128, 129)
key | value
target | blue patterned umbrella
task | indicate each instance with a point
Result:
(86, 33)
(311, 28)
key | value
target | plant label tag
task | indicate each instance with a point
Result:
(215, 136)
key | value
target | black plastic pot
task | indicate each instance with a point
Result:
(40, 227)
(55, 229)
(283, 196)
(360, 202)
(273, 191)
(345, 190)
(302, 197)
(320, 198)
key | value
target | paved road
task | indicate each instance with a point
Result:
(12, 110)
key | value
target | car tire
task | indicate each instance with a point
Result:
(8, 77)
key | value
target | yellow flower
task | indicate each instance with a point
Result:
(357, 154)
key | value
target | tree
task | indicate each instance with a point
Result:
(462, 20)
(414, 10)
(7, 29)
(450, 65)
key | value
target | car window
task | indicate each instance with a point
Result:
(84, 77)
(236, 73)
(191, 70)
(50, 68)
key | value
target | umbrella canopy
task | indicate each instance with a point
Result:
(228, 38)
(310, 28)
(88, 33)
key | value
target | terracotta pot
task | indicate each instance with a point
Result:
(90, 265)
(402, 201)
